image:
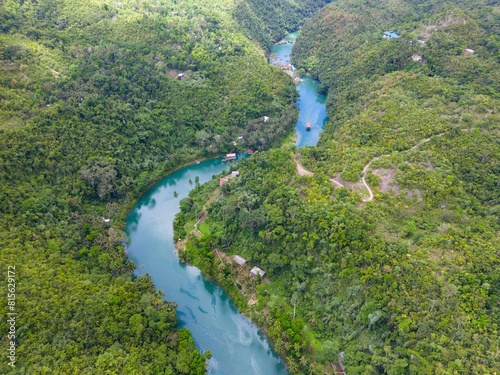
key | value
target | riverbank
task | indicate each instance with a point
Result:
(241, 288)
(128, 205)
(311, 102)
(245, 291)
(260, 301)
(277, 317)
(202, 306)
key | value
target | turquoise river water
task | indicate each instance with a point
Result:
(311, 104)
(237, 345)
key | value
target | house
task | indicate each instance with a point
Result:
(266, 119)
(230, 157)
(390, 35)
(469, 51)
(181, 75)
(249, 151)
(234, 174)
(257, 271)
(416, 58)
(223, 180)
(240, 260)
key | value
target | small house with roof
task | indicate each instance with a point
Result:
(416, 58)
(390, 35)
(240, 260)
(257, 271)
(223, 180)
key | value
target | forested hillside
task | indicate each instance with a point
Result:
(265, 20)
(98, 100)
(406, 281)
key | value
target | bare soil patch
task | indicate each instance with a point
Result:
(387, 180)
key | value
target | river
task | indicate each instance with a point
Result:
(311, 104)
(237, 345)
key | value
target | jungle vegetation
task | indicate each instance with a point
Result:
(98, 100)
(406, 283)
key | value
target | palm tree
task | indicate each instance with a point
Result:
(303, 361)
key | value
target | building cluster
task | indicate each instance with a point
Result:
(223, 180)
(255, 271)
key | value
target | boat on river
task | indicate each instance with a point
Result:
(230, 157)
(308, 126)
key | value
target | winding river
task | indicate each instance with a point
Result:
(311, 103)
(237, 345)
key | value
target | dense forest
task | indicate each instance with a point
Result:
(98, 100)
(403, 281)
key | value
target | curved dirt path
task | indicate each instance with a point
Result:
(304, 172)
(301, 171)
(363, 179)
(335, 182)
(367, 166)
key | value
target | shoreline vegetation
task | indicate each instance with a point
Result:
(130, 204)
(254, 296)
(245, 290)
(242, 291)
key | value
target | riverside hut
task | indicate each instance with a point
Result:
(257, 271)
(240, 260)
